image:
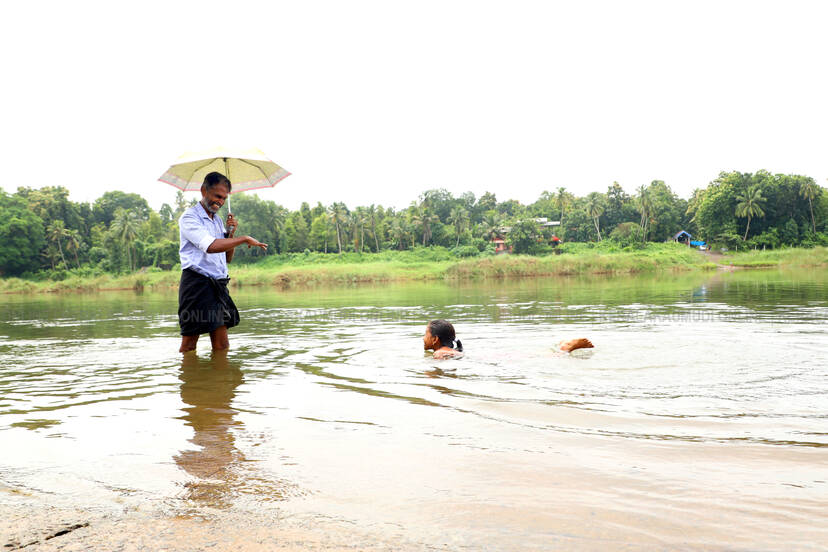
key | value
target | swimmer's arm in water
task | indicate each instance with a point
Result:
(570, 345)
(444, 353)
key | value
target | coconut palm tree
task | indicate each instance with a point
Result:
(595, 208)
(750, 205)
(459, 218)
(73, 241)
(51, 254)
(398, 232)
(338, 215)
(563, 201)
(125, 227)
(423, 218)
(55, 233)
(371, 214)
(490, 227)
(809, 190)
(644, 205)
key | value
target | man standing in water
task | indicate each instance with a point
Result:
(204, 304)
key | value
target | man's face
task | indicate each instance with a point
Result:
(214, 198)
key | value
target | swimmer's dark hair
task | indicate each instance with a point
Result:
(213, 179)
(444, 331)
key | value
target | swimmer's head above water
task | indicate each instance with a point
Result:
(440, 338)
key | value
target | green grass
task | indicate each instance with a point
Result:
(317, 269)
(789, 257)
(437, 263)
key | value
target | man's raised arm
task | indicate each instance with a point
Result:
(220, 245)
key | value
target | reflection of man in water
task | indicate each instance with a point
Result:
(208, 388)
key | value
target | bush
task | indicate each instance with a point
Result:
(96, 254)
(814, 240)
(57, 275)
(768, 239)
(464, 251)
(628, 234)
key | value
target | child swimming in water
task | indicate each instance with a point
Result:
(440, 338)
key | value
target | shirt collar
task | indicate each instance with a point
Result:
(203, 212)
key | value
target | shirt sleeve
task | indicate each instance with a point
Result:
(194, 232)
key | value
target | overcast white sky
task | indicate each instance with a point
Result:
(374, 102)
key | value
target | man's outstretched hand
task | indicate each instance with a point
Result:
(578, 343)
(251, 242)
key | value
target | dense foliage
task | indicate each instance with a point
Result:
(45, 233)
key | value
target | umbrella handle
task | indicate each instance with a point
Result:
(227, 174)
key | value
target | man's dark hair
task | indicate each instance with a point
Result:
(444, 331)
(214, 179)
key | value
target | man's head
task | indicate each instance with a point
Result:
(214, 191)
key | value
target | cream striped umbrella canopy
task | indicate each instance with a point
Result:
(246, 169)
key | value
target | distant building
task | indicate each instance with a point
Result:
(546, 223)
(500, 246)
(682, 237)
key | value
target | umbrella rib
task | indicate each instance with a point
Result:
(204, 165)
(254, 165)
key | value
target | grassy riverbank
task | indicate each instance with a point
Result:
(314, 269)
(789, 257)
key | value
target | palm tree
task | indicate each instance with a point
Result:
(399, 232)
(357, 228)
(125, 227)
(750, 205)
(490, 227)
(424, 218)
(51, 254)
(73, 241)
(808, 189)
(361, 219)
(338, 215)
(459, 218)
(644, 204)
(563, 200)
(55, 232)
(595, 208)
(371, 213)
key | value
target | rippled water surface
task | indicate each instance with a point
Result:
(700, 419)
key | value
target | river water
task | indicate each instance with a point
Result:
(699, 421)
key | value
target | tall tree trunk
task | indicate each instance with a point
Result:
(338, 239)
(374, 232)
(61, 254)
(813, 222)
(595, 220)
(746, 229)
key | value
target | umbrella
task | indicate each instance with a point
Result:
(246, 169)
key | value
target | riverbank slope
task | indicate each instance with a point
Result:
(317, 269)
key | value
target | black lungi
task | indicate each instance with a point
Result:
(204, 304)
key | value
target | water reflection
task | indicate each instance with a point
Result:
(208, 387)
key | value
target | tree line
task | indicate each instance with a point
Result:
(43, 230)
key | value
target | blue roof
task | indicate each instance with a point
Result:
(680, 233)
